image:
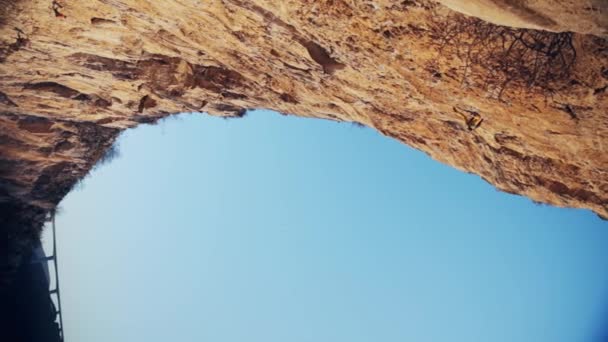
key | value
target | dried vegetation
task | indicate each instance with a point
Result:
(509, 59)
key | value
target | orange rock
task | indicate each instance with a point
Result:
(538, 100)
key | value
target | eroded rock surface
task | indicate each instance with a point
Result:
(525, 109)
(581, 16)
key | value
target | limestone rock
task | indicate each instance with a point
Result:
(527, 110)
(581, 16)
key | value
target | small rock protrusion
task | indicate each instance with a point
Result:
(471, 118)
(322, 57)
(4, 99)
(146, 102)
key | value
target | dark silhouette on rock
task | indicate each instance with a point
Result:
(28, 313)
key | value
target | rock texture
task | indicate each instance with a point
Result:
(525, 109)
(582, 16)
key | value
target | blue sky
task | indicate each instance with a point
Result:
(274, 228)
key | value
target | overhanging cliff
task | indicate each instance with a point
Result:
(525, 109)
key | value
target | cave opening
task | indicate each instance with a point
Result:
(276, 227)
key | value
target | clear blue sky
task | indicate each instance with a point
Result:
(275, 229)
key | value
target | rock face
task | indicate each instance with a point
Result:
(525, 109)
(581, 16)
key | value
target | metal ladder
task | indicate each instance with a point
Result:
(55, 291)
